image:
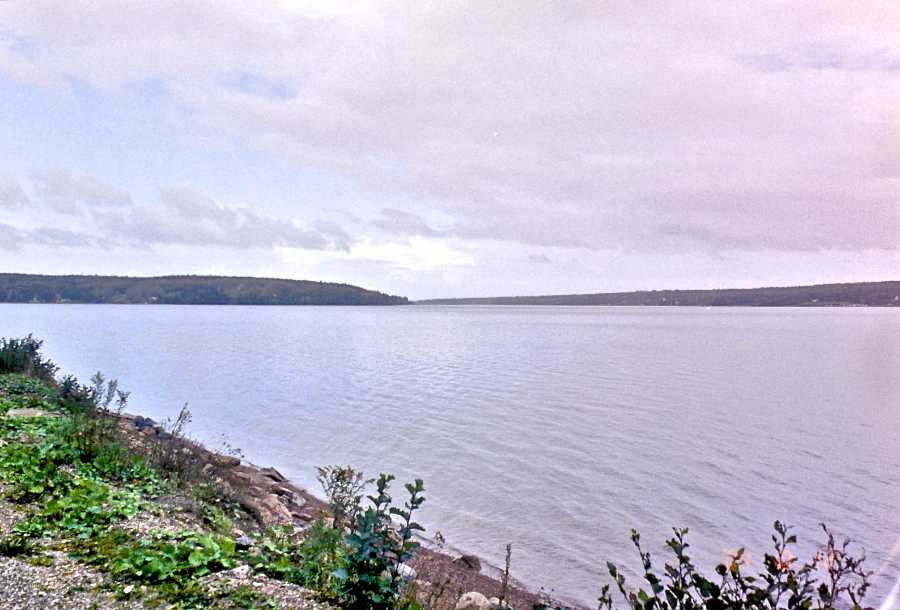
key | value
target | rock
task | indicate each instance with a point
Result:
(281, 490)
(470, 561)
(301, 517)
(496, 605)
(473, 600)
(243, 543)
(240, 572)
(224, 461)
(241, 477)
(406, 572)
(272, 511)
(290, 495)
(29, 413)
(273, 474)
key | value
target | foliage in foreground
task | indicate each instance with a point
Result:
(835, 578)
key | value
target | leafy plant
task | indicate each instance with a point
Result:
(165, 557)
(370, 578)
(320, 555)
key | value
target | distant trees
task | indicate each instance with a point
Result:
(184, 290)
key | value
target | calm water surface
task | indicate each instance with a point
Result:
(555, 429)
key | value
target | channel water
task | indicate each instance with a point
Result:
(555, 429)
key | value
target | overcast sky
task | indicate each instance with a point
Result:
(464, 148)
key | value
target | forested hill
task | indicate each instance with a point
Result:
(184, 290)
(876, 294)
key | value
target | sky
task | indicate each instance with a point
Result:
(451, 149)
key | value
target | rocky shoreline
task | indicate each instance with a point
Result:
(278, 502)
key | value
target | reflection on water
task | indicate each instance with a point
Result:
(555, 429)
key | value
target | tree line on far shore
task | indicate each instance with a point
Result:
(184, 290)
(871, 294)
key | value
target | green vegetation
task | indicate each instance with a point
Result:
(872, 294)
(833, 579)
(184, 290)
(22, 356)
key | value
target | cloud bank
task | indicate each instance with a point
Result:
(702, 127)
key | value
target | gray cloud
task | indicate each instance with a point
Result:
(66, 192)
(399, 222)
(601, 125)
(10, 238)
(187, 216)
(11, 192)
(13, 239)
(542, 259)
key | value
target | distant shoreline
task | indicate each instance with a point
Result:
(183, 290)
(864, 294)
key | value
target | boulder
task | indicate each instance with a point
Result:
(272, 511)
(473, 600)
(469, 561)
(240, 572)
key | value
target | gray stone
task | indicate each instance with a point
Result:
(473, 600)
(29, 413)
(470, 561)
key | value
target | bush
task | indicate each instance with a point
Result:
(23, 357)
(370, 578)
(833, 579)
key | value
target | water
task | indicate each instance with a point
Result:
(555, 429)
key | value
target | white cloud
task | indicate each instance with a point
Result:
(420, 254)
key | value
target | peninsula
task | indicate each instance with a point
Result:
(184, 290)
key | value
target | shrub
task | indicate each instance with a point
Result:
(370, 578)
(23, 357)
(783, 585)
